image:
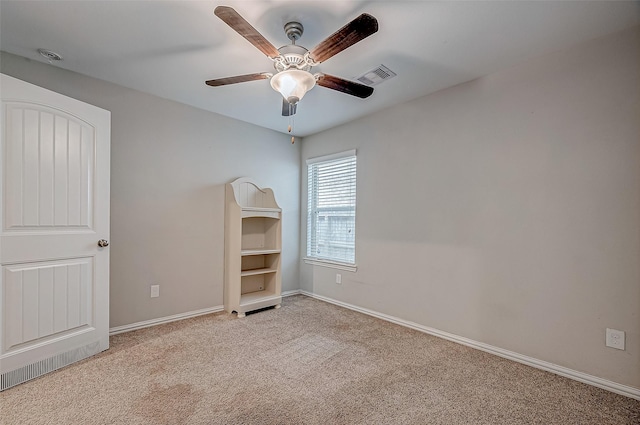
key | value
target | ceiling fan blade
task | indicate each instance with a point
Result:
(358, 29)
(288, 109)
(345, 86)
(238, 79)
(244, 28)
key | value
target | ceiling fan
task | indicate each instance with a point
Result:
(293, 63)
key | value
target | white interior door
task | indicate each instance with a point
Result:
(54, 183)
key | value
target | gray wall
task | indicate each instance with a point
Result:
(505, 210)
(169, 163)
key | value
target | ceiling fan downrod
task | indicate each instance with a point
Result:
(294, 31)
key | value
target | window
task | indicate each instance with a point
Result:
(331, 213)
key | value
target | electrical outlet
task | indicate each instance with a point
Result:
(338, 278)
(155, 291)
(615, 339)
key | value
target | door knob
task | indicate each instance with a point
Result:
(102, 243)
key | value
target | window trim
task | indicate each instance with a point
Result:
(331, 264)
(331, 157)
(323, 262)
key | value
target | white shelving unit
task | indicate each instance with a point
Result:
(253, 241)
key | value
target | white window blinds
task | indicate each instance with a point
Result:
(331, 220)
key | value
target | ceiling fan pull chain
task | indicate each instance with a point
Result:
(291, 106)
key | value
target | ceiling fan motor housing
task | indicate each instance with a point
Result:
(293, 56)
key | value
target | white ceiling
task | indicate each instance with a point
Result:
(169, 48)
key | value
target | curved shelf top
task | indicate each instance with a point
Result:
(252, 197)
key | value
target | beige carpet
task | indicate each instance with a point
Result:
(306, 363)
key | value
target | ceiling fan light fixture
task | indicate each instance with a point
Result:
(293, 84)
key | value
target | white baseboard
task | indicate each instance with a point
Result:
(153, 322)
(529, 361)
(147, 323)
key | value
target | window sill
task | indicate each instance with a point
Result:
(331, 264)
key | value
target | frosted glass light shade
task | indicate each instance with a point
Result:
(293, 84)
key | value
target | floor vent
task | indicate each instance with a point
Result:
(376, 76)
(33, 370)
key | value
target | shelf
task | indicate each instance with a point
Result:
(264, 209)
(259, 251)
(257, 271)
(253, 297)
(248, 212)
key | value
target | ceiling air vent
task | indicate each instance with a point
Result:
(50, 55)
(376, 76)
